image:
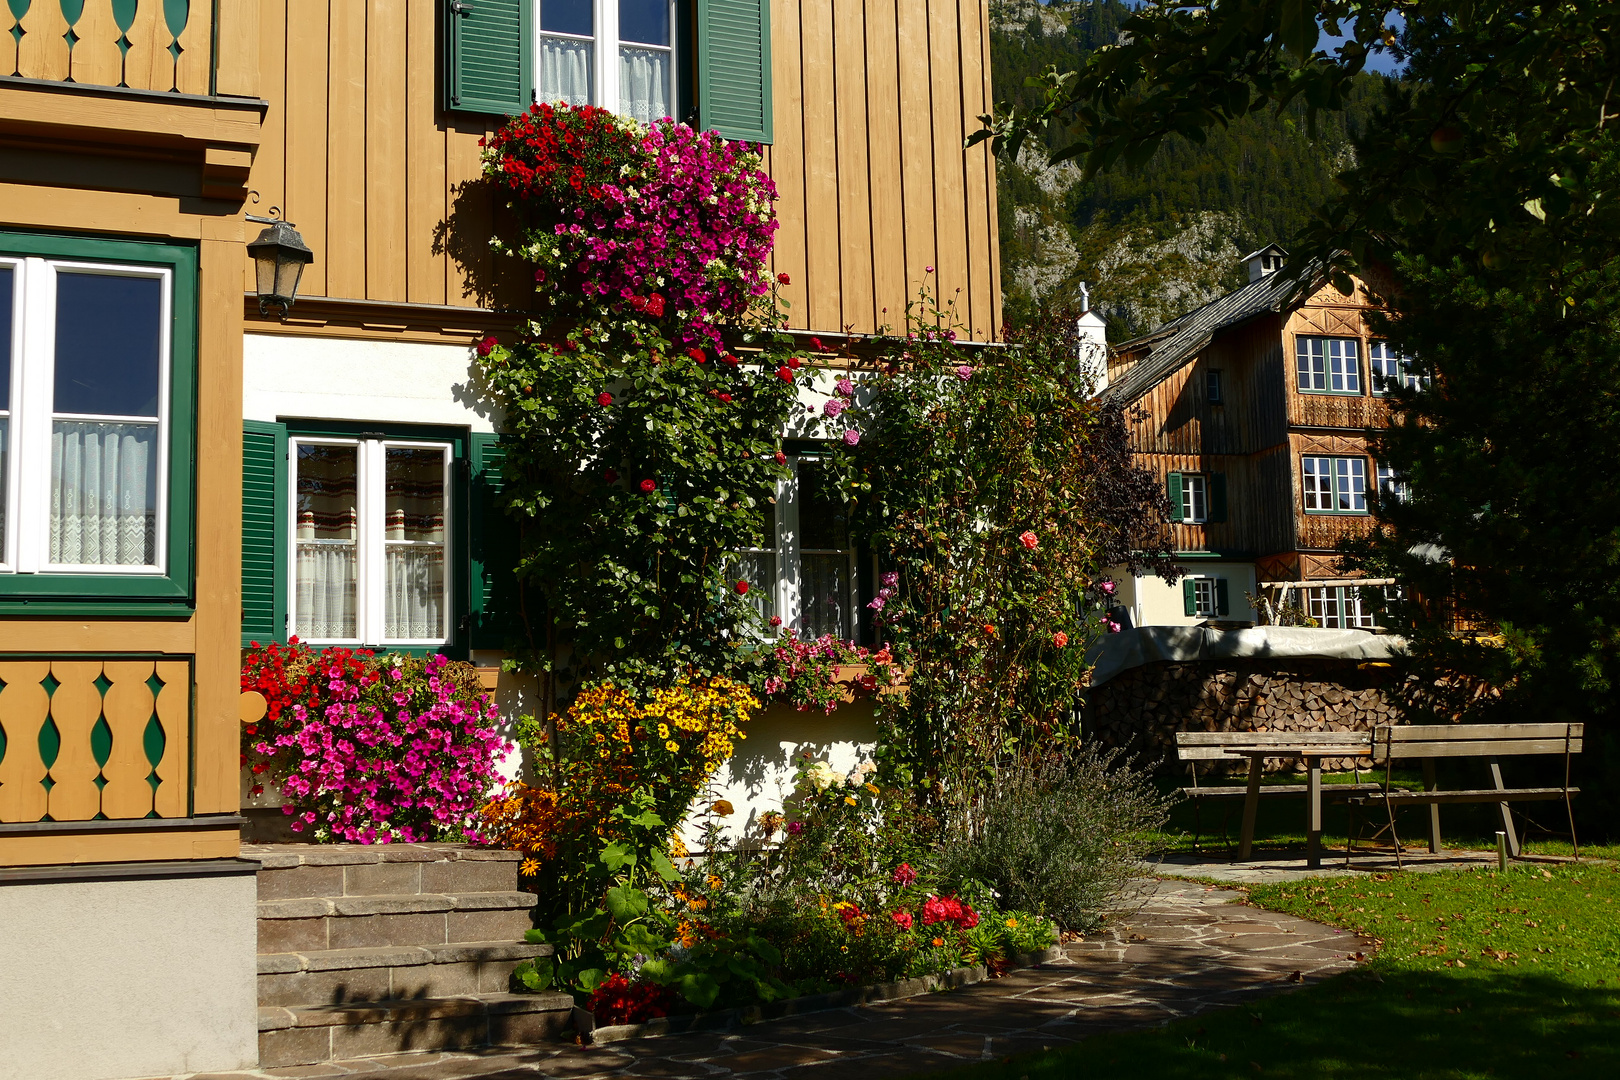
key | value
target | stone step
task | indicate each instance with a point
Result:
(318, 924)
(296, 871)
(345, 976)
(308, 1035)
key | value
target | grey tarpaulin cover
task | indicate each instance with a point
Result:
(1150, 644)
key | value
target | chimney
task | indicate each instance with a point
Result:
(1091, 340)
(1265, 262)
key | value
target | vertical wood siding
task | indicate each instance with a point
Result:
(872, 101)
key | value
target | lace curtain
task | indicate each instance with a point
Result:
(103, 494)
(565, 71)
(325, 600)
(644, 84)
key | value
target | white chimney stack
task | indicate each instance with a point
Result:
(1265, 262)
(1091, 343)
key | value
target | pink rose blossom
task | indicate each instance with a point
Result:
(852, 437)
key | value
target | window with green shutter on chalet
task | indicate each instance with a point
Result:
(389, 539)
(702, 61)
(1197, 498)
(1205, 597)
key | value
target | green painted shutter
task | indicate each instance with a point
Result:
(486, 55)
(493, 546)
(264, 542)
(734, 68)
(1217, 496)
(1222, 605)
(1189, 596)
(1175, 496)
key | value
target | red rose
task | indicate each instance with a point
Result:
(793, 362)
(783, 279)
(815, 343)
(611, 476)
(648, 487)
(696, 354)
(781, 458)
(604, 399)
(487, 345)
(730, 360)
(725, 397)
(742, 588)
(784, 374)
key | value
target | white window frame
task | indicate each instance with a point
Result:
(605, 45)
(1194, 498)
(1206, 601)
(1327, 365)
(1391, 486)
(1346, 477)
(371, 537)
(1389, 369)
(32, 416)
(1339, 607)
(787, 591)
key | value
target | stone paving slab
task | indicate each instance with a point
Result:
(1188, 948)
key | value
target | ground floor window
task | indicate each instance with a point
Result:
(369, 540)
(804, 572)
(1340, 607)
(1205, 597)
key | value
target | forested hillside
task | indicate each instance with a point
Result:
(1157, 241)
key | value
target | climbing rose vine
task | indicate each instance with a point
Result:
(660, 220)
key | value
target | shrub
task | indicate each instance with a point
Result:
(369, 749)
(1063, 837)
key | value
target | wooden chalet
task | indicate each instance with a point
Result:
(1254, 409)
(159, 430)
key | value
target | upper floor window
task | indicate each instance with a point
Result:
(1197, 498)
(1336, 485)
(1212, 387)
(805, 572)
(1328, 365)
(1391, 369)
(369, 540)
(85, 419)
(618, 54)
(1391, 485)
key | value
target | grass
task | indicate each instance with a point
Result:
(1279, 822)
(1480, 975)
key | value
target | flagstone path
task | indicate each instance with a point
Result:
(1188, 948)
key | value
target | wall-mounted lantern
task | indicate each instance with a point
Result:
(279, 257)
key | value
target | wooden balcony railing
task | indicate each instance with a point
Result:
(1338, 411)
(1322, 532)
(87, 739)
(162, 45)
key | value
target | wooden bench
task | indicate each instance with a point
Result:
(1199, 746)
(1492, 742)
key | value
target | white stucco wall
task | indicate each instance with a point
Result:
(128, 978)
(1153, 603)
(399, 382)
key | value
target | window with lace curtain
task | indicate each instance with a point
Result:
(618, 54)
(369, 540)
(85, 418)
(805, 572)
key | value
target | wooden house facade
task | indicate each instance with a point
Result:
(151, 497)
(1255, 411)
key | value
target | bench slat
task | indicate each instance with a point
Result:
(1238, 790)
(1429, 732)
(1475, 795)
(1473, 748)
(1272, 738)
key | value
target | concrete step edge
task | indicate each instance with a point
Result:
(405, 1011)
(318, 907)
(400, 956)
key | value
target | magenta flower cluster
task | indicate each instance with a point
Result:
(397, 753)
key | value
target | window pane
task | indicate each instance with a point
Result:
(758, 568)
(824, 596)
(565, 71)
(645, 22)
(107, 336)
(568, 17)
(1195, 504)
(823, 516)
(326, 566)
(103, 494)
(413, 569)
(644, 84)
(7, 299)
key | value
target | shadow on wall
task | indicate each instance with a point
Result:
(760, 776)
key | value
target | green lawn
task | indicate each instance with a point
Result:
(1280, 822)
(1480, 975)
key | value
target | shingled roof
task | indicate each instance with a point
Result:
(1178, 341)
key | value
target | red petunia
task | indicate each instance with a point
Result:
(696, 354)
(649, 486)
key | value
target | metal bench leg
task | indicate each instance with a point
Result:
(1505, 811)
(1431, 784)
(1570, 810)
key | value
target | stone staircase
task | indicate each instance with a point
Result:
(367, 950)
